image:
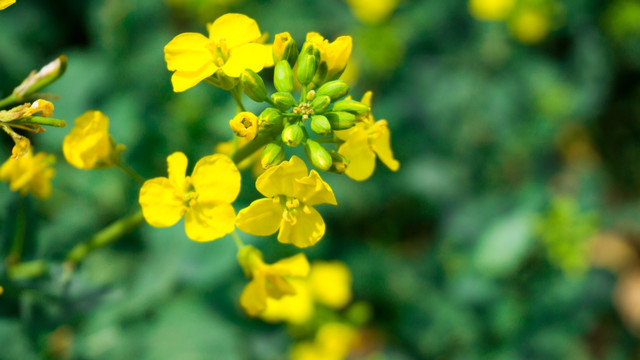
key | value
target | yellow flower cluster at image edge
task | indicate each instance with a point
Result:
(333, 341)
(290, 196)
(6, 3)
(29, 173)
(89, 145)
(204, 198)
(233, 45)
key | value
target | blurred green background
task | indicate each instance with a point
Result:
(511, 230)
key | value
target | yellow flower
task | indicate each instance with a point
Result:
(268, 281)
(329, 284)
(363, 142)
(29, 173)
(89, 145)
(204, 198)
(232, 46)
(333, 341)
(291, 195)
(6, 3)
(491, 9)
(372, 11)
(530, 26)
(245, 124)
(335, 54)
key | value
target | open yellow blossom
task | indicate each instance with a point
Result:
(233, 45)
(268, 281)
(245, 124)
(363, 142)
(204, 198)
(491, 10)
(295, 309)
(29, 174)
(333, 341)
(6, 3)
(372, 11)
(530, 25)
(89, 145)
(334, 55)
(291, 195)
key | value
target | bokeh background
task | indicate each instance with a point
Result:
(511, 230)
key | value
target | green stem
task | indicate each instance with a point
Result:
(28, 270)
(134, 175)
(15, 254)
(39, 120)
(103, 238)
(303, 94)
(36, 81)
(237, 96)
(248, 150)
(237, 240)
(9, 100)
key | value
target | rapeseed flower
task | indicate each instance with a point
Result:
(233, 45)
(363, 142)
(204, 198)
(6, 3)
(334, 54)
(333, 341)
(268, 280)
(290, 197)
(491, 10)
(29, 173)
(245, 124)
(89, 145)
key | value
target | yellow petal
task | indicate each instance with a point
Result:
(296, 265)
(177, 169)
(381, 144)
(312, 190)
(209, 221)
(366, 98)
(89, 144)
(261, 218)
(184, 80)
(336, 54)
(254, 296)
(6, 3)
(362, 158)
(160, 206)
(188, 52)
(249, 56)
(330, 283)
(216, 178)
(234, 30)
(279, 180)
(278, 287)
(296, 309)
(306, 231)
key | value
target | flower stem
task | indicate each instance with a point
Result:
(9, 100)
(237, 96)
(28, 270)
(237, 240)
(132, 173)
(39, 120)
(247, 150)
(15, 254)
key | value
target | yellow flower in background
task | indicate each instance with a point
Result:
(372, 11)
(29, 174)
(530, 25)
(328, 284)
(290, 197)
(6, 3)
(204, 198)
(334, 54)
(363, 142)
(268, 281)
(245, 124)
(491, 10)
(333, 341)
(89, 145)
(233, 45)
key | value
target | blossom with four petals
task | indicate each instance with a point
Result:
(89, 145)
(204, 198)
(29, 173)
(291, 195)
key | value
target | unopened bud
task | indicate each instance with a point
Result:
(320, 104)
(245, 124)
(335, 89)
(339, 162)
(292, 135)
(341, 120)
(320, 125)
(253, 85)
(283, 76)
(273, 154)
(307, 65)
(270, 119)
(351, 106)
(317, 155)
(221, 80)
(285, 48)
(283, 100)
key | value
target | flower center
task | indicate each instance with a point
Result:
(303, 109)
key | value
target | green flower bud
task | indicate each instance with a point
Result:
(273, 154)
(321, 73)
(339, 162)
(320, 104)
(310, 49)
(341, 120)
(335, 89)
(285, 48)
(270, 119)
(292, 135)
(283, 76)
(253, 85)
(320, 125)
(283, 100)
(307, 66)
(317, 155)
(351, 106)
